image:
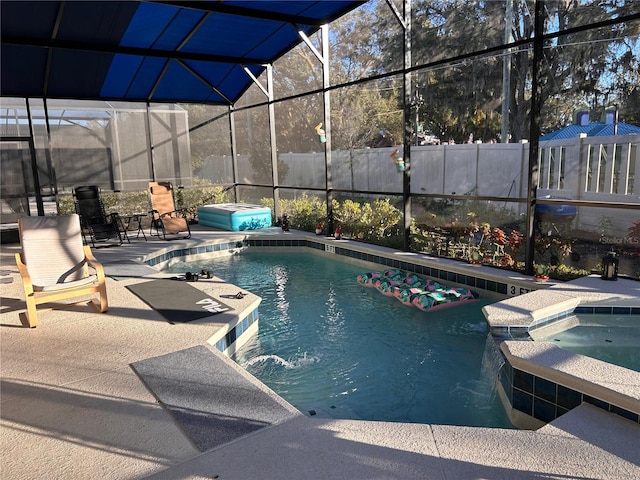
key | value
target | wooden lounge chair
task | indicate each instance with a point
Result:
(166, 220)
(55, 265)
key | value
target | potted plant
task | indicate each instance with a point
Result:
(476, 257)
(542, 273)
(286, 225)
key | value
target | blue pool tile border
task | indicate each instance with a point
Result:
(547, 400)
(384, 262)
(184, 252)
(607, 310)
(580, 310)
(232, 335)
(552, 319)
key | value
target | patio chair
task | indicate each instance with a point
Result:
(55, 265)
(166, 219)
(96, 225)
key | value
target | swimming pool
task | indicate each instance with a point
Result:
(336, 349)
(610, 338)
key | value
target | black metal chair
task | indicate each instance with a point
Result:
(97, 226)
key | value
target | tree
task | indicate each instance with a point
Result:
(574, 67)
(595, 67)
(459, 97)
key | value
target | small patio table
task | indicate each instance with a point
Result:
(126, 222)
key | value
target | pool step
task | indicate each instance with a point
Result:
(212, 398)
(529, 310)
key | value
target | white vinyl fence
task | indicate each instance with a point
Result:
(600, 169)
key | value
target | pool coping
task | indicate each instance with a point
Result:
(591, 294)
(564, 378)
(540, 382)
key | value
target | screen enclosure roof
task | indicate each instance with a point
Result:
(164, 51)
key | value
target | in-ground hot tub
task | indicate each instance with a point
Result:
(234, 217)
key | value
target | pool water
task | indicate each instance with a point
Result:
(333, 348)
(610, 338)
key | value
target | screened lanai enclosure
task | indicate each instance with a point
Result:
(500, 132)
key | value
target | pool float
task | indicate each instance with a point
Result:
(393, 287)
(413, 290)
(443, 298)
(390, 274)
(389, 285)
(369, 279)
(406, 293)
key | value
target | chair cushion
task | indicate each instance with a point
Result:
(52, 249)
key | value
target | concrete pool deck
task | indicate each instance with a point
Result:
(72, 407)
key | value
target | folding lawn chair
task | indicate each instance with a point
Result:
(166, 219)
(96, 225)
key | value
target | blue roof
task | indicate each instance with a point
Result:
(174, 51)
(594, 129)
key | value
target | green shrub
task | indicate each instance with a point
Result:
(348, 215)
(303, 212)
(566, 272)
(374, 222)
